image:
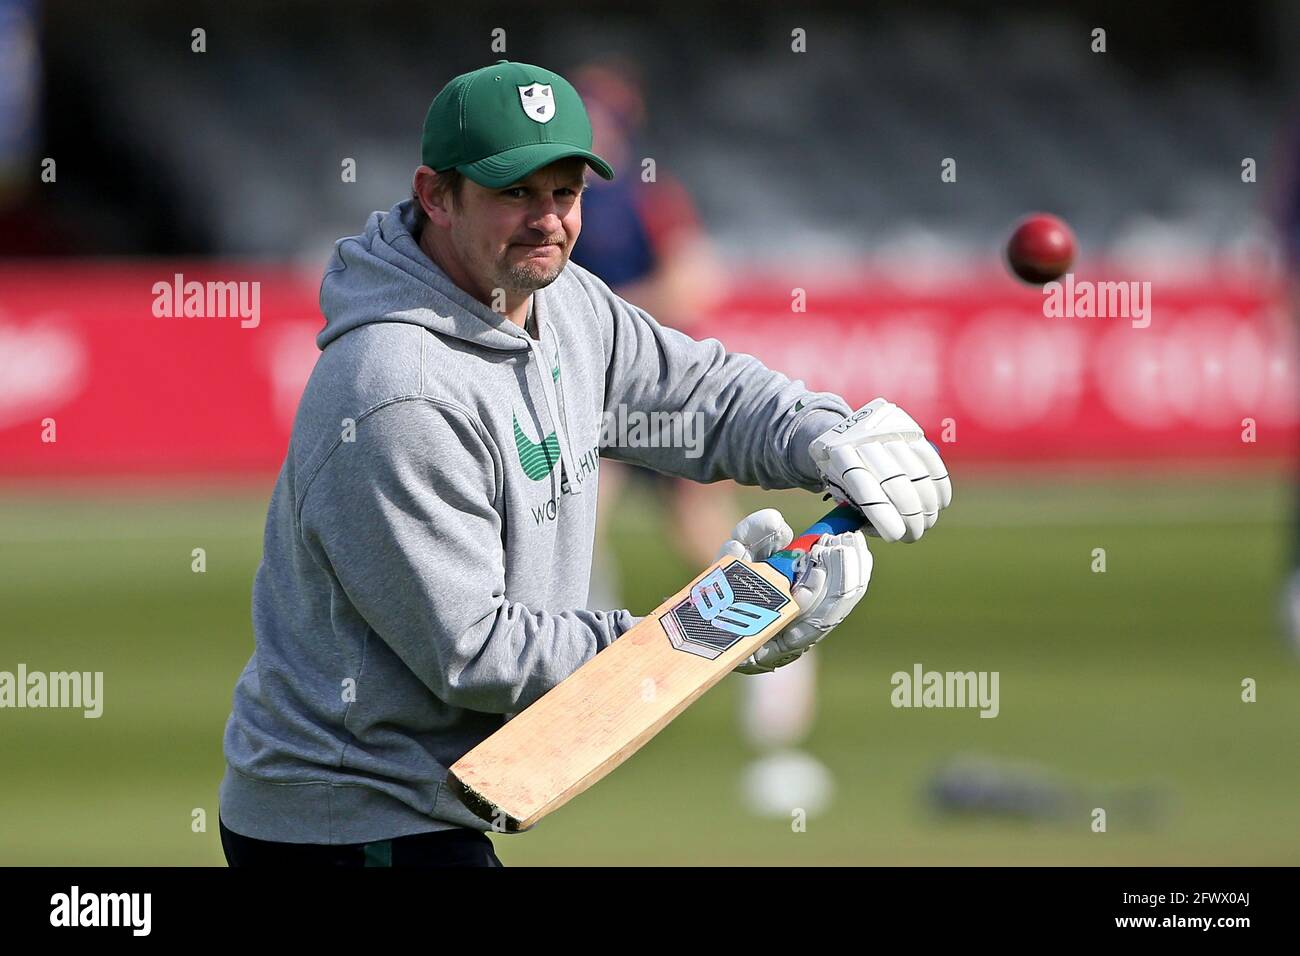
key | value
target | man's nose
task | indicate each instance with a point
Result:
(546, 217)
(547, 222)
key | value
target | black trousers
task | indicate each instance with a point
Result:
(459, 847)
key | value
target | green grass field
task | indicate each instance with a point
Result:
(1123, 678)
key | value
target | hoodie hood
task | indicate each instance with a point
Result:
(383, 275)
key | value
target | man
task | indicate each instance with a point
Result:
(428, 542)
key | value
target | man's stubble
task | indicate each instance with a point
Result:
(518, 277)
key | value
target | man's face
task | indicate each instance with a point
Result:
(519, 238)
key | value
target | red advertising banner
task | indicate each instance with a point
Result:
(131, 393)
(1205, 369)
(170, 368)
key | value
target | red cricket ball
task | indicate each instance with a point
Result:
(1041, 248)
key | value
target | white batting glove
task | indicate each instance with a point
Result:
(878, 459)
(757, 537)
(836, 578)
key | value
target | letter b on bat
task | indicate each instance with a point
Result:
(717, 604)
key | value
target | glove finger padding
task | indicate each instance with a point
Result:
(926, 451)
(897, 486)
(757, 536)
(811, 585)
(826, 599)
(838, 573)
(919, 475)
(859, 486)
(879, 460)
(768, 658)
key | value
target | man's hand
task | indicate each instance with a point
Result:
(879, 460)
(836, 578)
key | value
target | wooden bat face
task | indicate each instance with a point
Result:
(607, 709)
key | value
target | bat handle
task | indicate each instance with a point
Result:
(790, 560)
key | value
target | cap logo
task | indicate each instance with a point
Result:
(537, 101)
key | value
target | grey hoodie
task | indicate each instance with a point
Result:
(428, 544)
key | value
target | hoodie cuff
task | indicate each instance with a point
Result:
(620, 622)
(814, 423)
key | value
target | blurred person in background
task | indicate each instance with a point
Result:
(645, 240)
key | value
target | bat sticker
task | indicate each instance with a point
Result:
(725, 605)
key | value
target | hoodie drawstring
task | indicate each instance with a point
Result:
(556, 411)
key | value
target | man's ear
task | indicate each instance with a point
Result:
(434, 205)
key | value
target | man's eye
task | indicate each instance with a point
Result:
(519, 192)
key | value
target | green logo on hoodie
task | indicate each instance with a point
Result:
(537, 458)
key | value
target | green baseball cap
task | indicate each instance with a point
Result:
(500, 123)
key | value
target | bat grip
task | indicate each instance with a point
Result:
(789, 561)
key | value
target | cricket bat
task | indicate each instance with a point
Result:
(608, 708)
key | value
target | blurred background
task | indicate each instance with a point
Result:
(127, 440)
